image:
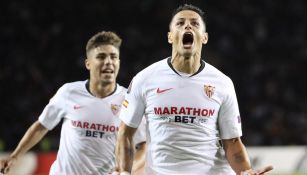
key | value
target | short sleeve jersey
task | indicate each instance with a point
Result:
(89, 129)
(186, 116)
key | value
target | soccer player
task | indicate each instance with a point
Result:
(89, 110)
(193, 120)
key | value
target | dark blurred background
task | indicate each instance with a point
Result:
(260, 44)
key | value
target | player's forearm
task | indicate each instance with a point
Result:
(33, 135)
(236, 155)
(125, 147)
(139, 159)
(124, 153)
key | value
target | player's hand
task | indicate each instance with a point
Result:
(6, 164)
(257, 172)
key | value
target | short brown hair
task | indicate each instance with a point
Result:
(103, 38)
(192, 8)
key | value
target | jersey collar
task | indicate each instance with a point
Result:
(202, 66)
(87, 87)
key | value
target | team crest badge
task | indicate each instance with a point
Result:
(115, 108)
(209, 90)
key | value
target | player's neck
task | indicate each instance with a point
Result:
(188, 65)
(101, 90)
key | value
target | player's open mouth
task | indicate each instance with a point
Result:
(107, 71)
(187, 40)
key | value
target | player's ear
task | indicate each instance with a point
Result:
(169, 37)
(87, 64)
(205, 38)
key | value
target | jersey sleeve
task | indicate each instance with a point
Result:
(55, 109)
(229, 116)
(133, 106)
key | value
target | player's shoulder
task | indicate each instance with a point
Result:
(74, 85)
(120, 89)
(216, 73)
(70, 87)
(152, 69)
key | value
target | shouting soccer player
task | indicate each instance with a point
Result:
(89, 110)
(193, 119)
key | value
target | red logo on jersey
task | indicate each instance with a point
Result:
(77, 107)
(159, 91)
(209, 90)
(115, 108)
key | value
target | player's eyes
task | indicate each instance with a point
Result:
(114, 57)
(195, 23)
(179, 23)
(101, 57)
(105, 56)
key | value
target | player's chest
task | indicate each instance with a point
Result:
(191, 101)
(184, 92)
(94, 110)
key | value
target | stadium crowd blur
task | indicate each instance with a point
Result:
(261, 45)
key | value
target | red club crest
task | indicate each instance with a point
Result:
(115, 108)
(209, 90)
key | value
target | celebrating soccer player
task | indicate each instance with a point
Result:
(193, 119)
(89, 110)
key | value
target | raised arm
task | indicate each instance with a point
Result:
(238, 159)
(33, 135)
(125, 148)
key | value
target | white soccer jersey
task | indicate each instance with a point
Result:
(186, 118)
(89, 129)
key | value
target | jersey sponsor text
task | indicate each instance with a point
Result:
(94, 126)
(184, 111)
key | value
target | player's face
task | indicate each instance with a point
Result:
(187, 33)
(103, 63)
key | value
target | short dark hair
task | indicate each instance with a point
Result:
(192, 8)
(103, 38)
